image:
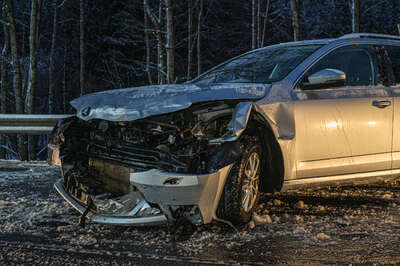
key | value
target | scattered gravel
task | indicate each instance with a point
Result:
(342, 225)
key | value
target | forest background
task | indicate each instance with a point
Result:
(54, 51)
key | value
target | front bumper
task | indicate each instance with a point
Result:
(168, 190)
(109, 220)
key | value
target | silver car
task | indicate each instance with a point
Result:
(284, 116)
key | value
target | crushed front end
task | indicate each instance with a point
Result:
(149, 171)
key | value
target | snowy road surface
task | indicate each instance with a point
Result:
(320, 226)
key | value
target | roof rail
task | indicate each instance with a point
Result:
(370, 35)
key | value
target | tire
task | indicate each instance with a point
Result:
(242, 187)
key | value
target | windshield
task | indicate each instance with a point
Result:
(261, 66)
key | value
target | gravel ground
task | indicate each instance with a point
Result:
(346, 225)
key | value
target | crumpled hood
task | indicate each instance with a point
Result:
(136, 103)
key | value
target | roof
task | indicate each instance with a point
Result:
(346, 36)
(369, 35)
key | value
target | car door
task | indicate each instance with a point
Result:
(393, 58)
(344, 129)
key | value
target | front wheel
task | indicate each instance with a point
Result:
(241, 192)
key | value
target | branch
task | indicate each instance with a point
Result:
(5, 22)
(151, 16)
(60, 5)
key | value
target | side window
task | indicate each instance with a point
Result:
(394, 56)
(346, 66)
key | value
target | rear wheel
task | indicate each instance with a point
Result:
(241, 192)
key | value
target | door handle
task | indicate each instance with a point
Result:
(381, 104)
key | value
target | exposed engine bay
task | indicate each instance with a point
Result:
(107, 165)
(175, 142)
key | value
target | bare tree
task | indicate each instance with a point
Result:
(162, 75)
(24, 72)
(295, 19)
(82, 45)
(355, 15)
(4, 81)
(19, 103)
(147, 42)
(17, 82)
(189, 47)
(199, 18)
(253, 24)
(170, 42)
(265, 24)
(33, 59)
(53, 59)
(64, 81)
(258, 23)
(157, 23)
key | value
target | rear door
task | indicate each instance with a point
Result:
(345, 129)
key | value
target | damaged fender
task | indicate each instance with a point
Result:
(238, 123)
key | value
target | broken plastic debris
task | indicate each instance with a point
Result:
(131, 204)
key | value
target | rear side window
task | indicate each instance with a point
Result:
(394, 55)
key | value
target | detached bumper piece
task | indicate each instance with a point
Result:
(111, 220)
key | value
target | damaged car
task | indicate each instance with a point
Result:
(289, 115)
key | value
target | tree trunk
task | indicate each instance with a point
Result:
(147, 42)
(17, 82)
(253, 24)
(170, 42)
(53, 59)
(24, 72)
(355, 15)
(33, 59)
(19, 103)
(4, 83)
(265, 24)
(64, 83)
(295, 19)
(160, 46)
(199, 37)
(258, 23)
(189, 47)
(160, 43)
(82, 45)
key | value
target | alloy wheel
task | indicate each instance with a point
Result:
(251, 181)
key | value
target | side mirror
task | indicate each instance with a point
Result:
(325, 78)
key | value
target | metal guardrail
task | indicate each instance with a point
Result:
(28, 124)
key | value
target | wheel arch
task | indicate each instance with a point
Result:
(273, 168)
